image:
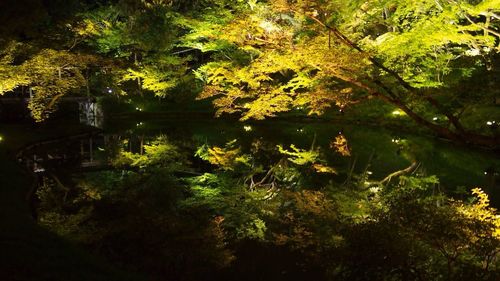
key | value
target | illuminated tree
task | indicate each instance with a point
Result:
(413, 56)
(11, 76)
(54, 74)
(415, 233)
(50, 74)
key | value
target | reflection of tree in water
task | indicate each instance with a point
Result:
(155, 204)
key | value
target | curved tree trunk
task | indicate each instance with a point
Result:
(460, 135)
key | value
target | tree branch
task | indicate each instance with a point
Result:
(407, 170)
(393, 96)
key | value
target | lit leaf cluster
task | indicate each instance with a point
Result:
(49, 73)
(54, 74)
(11, 76)
(158, 77)
(481, 212)
(311, 74)
(423, 41)
(307, 222)
(300, 156)
(227, 158)
(340, 145)
(160, 153)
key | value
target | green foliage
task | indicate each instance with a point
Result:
(300, 156)
(54, 74)
(49, 73)
(120, 30)
(227, 158)
(225, 197)
(431, 237)
(262, 58)
(259, 59)
(152, 79)
(206, 190)
(426, 36)
(276, 80)
(316, 54)
(408, 230)
(255, 229)
(11, 76)
(161, 153)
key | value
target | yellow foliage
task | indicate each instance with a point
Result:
(340, 145)
(151, 79)
(87, 28)
(267, 105)
(52, 75)
(300, 156)
(482, 212)
(228, 157)
(11, 76)
(282, 72)
(320, 168)
(223, 157)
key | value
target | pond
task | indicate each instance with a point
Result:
(213, 199)
(375, 152)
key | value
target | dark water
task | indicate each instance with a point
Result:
(374, 152)
(126, 221)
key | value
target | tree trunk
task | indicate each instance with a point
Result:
(460, 136)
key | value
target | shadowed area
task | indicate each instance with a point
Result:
(29, 252)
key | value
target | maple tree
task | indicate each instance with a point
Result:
(414, 56)
(165, 209)
(49, 74)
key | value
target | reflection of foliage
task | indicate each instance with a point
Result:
(304, 157)
(300, 156)
(340, 145)
(223, 196)
(160, 153)
(306, 217)
(228, 157)
(254, 229)
(405, 229)
(320, 168)
(125, 215)
(417, 229)
(206, 190)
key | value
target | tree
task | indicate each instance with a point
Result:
(282, 54)
(11, 75)
(415, 233)
(54, 74)
(50, 74)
